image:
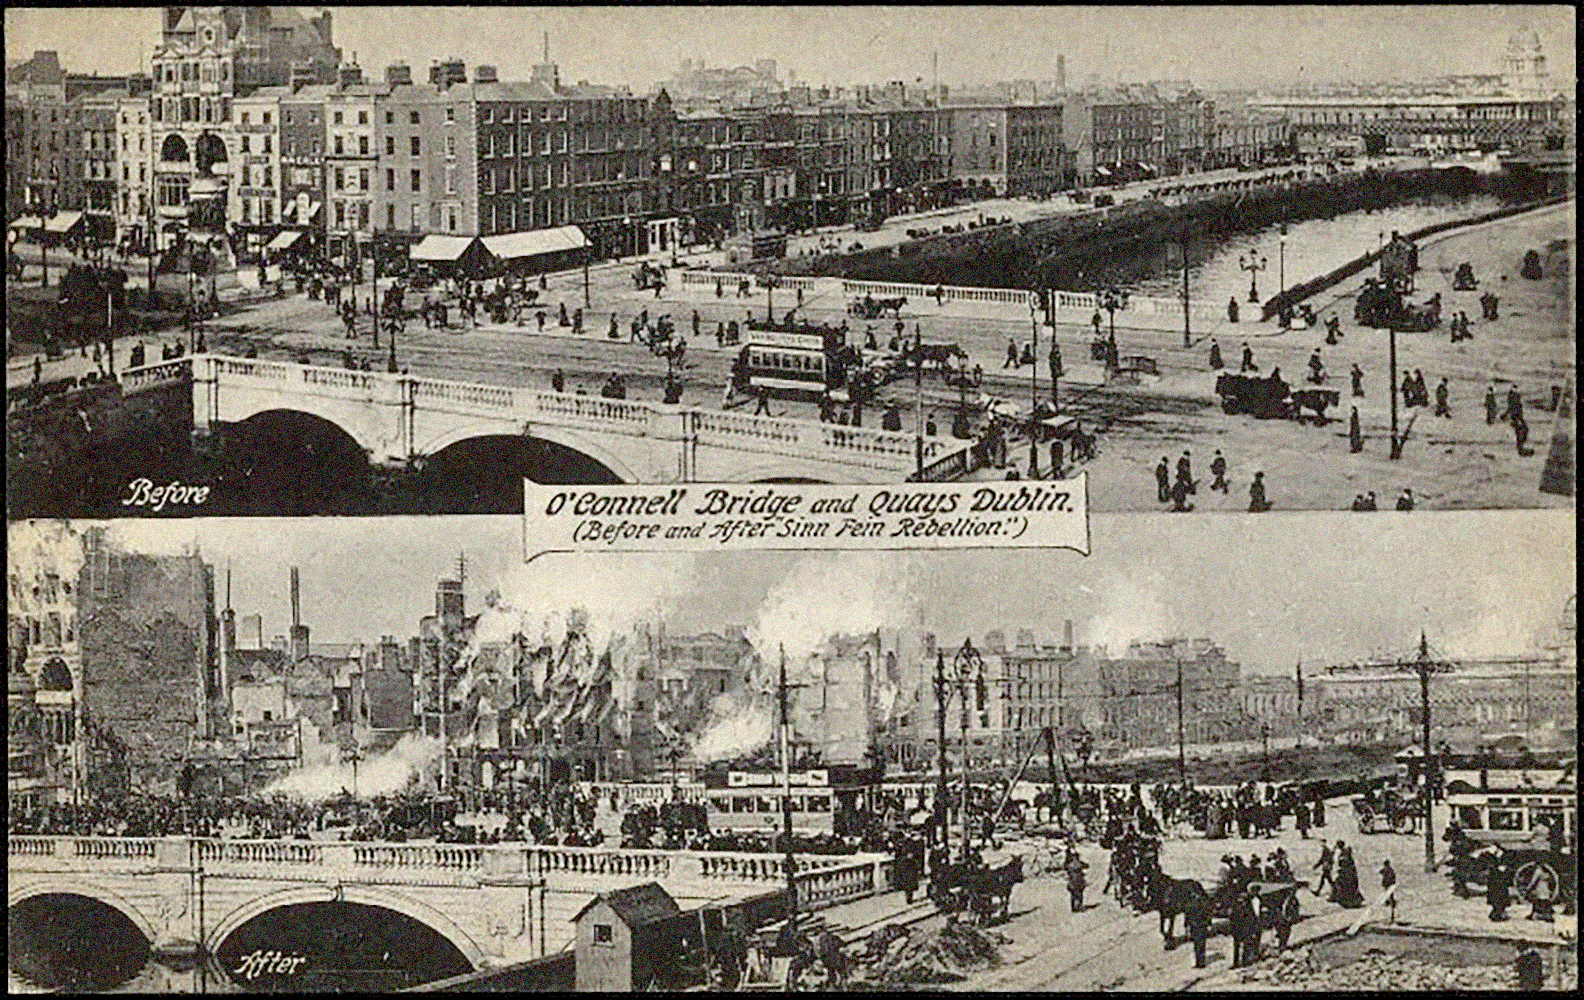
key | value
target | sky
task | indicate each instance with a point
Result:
(639, 45)
(1273, 590)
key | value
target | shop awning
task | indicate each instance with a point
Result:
(284, 240)
(63, 222)
(515, 246)
(445, 249)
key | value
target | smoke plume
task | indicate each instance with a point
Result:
(403, 765)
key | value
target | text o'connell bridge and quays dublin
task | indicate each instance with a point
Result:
(1360, 332)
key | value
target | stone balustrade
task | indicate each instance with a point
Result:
(142, 379)
(729, 279)
(810, 439)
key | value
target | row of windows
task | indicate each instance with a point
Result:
(209, 71)
(208, 110)
(337, 117)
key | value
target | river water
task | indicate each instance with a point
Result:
(1312, 248)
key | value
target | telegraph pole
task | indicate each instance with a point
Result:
(786, 799)
(1391, 348)
(1187, 332)
(1182, 762)
(1033, 396)
(1424, 667)
(940, 722)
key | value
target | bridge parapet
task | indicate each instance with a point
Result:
(811, 439)
(142, 379)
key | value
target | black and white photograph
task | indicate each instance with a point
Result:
(274, 261)
(254, 755)
(769, 498)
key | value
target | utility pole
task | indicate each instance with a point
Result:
(1424, 667)
(786, 799)
(918, 400)
(967, 658)
(1187, 332)
(1033, 395)
(941, 693)
(374, 250)
(1182, 762)
(1391, 379)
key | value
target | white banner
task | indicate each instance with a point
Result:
(706, 517)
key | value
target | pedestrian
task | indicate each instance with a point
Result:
(1095, 322)
(1232, 311)
(1324, 867)
(1442, 410)
(1421, 394)
(764, 404)
(1257, 502)
(1301, 819)
(1407, 388)
(38, 369)
(1162, 481)
(558, 381)
(1406, 501)
(1248, 359)
(1498, 884)
(1358, 380)
(1215, 355)
(1218, 470)
(1388, 879)
(1355, 434)
(1346, 887)
(1179, 496)
(1075, 866)
(1185, 472)
(1520, 433)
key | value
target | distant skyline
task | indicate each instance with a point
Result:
(1320, 588)
(1213, 46)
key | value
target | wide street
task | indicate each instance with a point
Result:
(1448, 463)
(1109, 947)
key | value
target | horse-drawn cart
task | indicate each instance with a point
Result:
(1388, 810)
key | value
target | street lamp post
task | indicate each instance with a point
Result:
(1265, 753)
(964, 662)
(1187, 330)
(1253, 264)
(1281, 263)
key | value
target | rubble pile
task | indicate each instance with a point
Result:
(1376, 971)
(945, 955)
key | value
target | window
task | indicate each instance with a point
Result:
(340, 214)
(487, 115)
(362, 117)
(450, 146)
(363, 179)
(390, 180)
(416, 181)
(338, 145)
(390, 216)
(412, 117)
(338, 118)
(450, 116)
(390, 145)
(266, 117)
(363, 145)
(246, 145)
(417, 212)
(450, 179)
(416, 145)
(340, 179)
(452, 220)
(245, 116)
(604, 934)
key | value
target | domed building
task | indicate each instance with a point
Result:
(1524, 72)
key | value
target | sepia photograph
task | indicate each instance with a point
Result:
(395, 261)
(375, 753)
(791, 498)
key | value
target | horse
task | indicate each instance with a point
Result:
(823, 947)
(1173, 896)
(940, 355)
(894, 305)
(991, 890)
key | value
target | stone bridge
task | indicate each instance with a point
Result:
(402, 420)
(497, 903)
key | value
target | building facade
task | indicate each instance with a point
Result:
(133, 204)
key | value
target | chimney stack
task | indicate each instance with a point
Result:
(1067, 636)
(299, 631)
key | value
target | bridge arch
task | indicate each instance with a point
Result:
(568, 439)
(324, 411)
(21, 891)
(361, 894)
(781, 472)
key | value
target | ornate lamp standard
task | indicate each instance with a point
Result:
(1253, 264)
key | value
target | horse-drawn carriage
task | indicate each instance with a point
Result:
(647, 275)
(1387, 810)
(870, 307)
(1272, 397)
(1249, 908)
(981, 892)
(1381, 305)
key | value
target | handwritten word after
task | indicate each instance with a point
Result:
(143, 493)
(260, 963)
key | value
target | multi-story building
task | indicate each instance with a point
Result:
(424, 137)
(147, 638)
(42, 562)
(132, 165)
(1126, 134)
(302, 162)
(206, 58)
(1190, 120)
(1249, 138)
(351, 162)
(93, 119)
(1141, 692)
(256, 203)
(1382, 702)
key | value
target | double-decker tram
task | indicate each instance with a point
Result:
(800, 365)
(823, 800)
(1532, 831)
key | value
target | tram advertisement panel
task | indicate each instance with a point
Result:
(711, 517)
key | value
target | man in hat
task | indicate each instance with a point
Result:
(1355, 433)
(1324, 867)
(1162, 481)
(1388, 877)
